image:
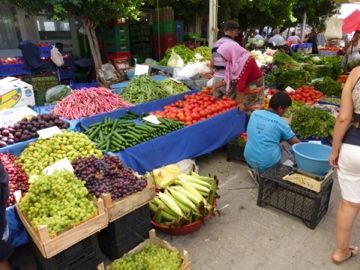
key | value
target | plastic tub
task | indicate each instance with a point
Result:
(312, 158)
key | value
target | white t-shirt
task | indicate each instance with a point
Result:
(277, 40)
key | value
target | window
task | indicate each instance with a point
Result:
(9, 28)
(50, 29)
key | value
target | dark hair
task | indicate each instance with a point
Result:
(293, 33)
(280, 99)
(230, 25)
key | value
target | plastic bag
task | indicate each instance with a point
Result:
(56, 57)
(333, 28)
(56, 93)
(175, 60)
(187, 166)
(191, 70)
(109, 75)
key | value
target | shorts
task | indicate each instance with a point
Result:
(349, 172)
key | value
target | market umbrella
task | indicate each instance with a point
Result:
(352, 22)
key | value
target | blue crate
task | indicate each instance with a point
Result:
(76, 86)
(14, 70)
(67, 74)
(45, 51)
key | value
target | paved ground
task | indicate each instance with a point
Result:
(246, 236)
(249, 237)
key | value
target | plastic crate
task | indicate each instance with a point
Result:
(163, 28)
(40, 85)
(235, 151)
(117, 48)
(125, 233)
(14, 70)
(295, 200)
(116, 55)
(85, 255)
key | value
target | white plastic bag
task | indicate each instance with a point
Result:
(187, 166)
(333, 28)
(175, 60)
(191, 70)
(56, 57)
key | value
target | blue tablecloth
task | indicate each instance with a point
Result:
(140, 108)
(189, 142)
(17, 233)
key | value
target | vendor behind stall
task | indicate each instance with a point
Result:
(265, 132)
(231, 30)
(5, 247)
(242, 71)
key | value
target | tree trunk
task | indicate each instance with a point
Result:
(93, 43)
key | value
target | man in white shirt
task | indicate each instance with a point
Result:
(276, 40)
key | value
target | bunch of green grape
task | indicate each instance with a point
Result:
(44, 152)
(59, 200)
(152, 257)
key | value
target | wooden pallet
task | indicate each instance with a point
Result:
(49, 247)
(153, 239)
(118, 209)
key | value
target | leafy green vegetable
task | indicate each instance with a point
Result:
(332, 100)
(204, 51)
(282, 59)
(312, 122)
(330, 66)
(184, 52)
(283, 77)
(173, 87)
(328, 86)
(142, 89)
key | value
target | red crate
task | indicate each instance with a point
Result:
(118, 55)
(166, 41)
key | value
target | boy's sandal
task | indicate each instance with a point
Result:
(353, 252)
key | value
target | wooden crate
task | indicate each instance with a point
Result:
(118, 209)
(153, 239)
(49, 247)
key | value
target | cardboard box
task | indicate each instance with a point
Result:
(15, 93)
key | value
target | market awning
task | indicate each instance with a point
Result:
(352, 22)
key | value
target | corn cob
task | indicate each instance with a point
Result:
(171, 203)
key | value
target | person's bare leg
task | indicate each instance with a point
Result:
(4, 266)
(345, 219)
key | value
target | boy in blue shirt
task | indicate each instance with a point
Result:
(266, 130)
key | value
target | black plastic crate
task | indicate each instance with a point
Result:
(295, 200)
(85, 255)
(125, 233)
(235, 151)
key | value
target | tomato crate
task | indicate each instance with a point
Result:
(84, 255)
(51, 246)
(308, 205)
(125, 233)
(235, 151)
(116, 55)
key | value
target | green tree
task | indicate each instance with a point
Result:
(316, 11)
(90, 12)
(258, 13)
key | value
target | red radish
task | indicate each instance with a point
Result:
(91, 101)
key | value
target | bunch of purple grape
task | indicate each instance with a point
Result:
(108, 175)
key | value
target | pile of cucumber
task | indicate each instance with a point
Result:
(113, 135)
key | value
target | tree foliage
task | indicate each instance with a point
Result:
(257, 13)
(316, 11)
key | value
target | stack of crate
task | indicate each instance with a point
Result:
(116, 42)
(140, 40)
(163, 27)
